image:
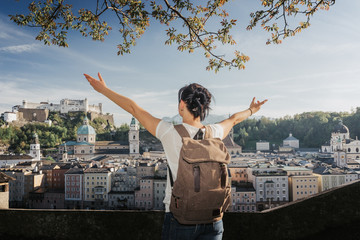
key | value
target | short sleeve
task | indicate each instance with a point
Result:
(218, 131)
(162, 129)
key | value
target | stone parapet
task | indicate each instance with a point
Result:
(334, 214)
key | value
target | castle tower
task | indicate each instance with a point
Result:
(86, 103)
(134, 138)
(35, 148)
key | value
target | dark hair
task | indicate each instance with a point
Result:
(197, 99)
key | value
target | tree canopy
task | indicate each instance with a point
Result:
(55, 18)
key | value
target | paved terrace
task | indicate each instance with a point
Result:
(333, 214)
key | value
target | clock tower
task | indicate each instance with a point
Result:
(134, 144)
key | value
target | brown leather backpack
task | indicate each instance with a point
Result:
(201, 192)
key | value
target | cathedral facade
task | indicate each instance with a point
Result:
(86, 147)
(346, 151)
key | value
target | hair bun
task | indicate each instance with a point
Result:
(197, 99)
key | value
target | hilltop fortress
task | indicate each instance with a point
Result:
(39, 112)
(65, 106)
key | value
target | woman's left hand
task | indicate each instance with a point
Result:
(256, 105)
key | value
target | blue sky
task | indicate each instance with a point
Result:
(317, 70)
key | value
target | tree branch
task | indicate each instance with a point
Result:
(194, 32)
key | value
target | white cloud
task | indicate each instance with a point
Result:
(20, 48)
(153, 95)
(11, 31)
(4, 35)
(92, 61)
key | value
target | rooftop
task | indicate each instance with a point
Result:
(86, 130)
(16, 157)
(5, 178)
(73, 143)
(291, 138)
(96, 170)
(287, 168)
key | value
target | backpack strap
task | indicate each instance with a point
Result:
(183, 133)
(181, 130)
(171, 177)
(208, 132)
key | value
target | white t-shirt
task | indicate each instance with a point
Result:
(172, 144)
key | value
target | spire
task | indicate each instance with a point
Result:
(86, 121)
(133, 121)
(36, 138)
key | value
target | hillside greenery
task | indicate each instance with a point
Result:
(63, 128)
(312, 129)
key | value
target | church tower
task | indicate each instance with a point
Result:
(134, 138)
(35, 148)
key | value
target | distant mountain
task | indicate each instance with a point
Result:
(208, 120)
(212, 118)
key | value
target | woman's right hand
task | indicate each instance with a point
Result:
(98, 85)
(256, 105)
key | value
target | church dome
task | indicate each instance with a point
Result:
(86, 129)
(341, 128)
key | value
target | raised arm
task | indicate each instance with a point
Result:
(229, 123)
(145, 118)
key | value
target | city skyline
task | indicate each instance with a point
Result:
(317, 70)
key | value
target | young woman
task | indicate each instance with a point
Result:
(193, 107)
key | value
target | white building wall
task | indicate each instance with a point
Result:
(68, 105)
(279, 191)
(134, 144)
(262, 146)
(10, 116)
(291, 143)
(326, 149)
(331, 181)
(16, 188)
(100, 180)
(349, 177)
(65, 106)
(35, 152)
(340, 158)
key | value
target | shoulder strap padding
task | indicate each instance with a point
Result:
(208, 132)
(181, 130)
(184, 133)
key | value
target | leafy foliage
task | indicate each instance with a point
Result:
(276, 9)
(55, 18)
(312, 129)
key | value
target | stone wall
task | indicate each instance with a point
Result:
(4, 196)
(32, 114)
(109, 118)
(331, 215)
